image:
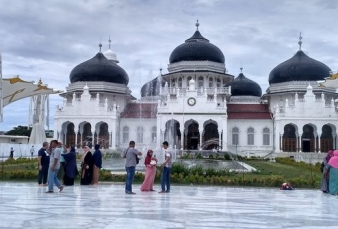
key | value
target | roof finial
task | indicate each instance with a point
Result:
(197, 24)
(300, 41)
(241, 67)
(109, 41)
(161, 70)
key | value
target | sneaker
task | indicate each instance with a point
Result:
(61, 188)
(162, 192)
(50, 192)
(167, 191)
(132, 193)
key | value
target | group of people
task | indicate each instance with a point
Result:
(150, 162)
(57, 166)
(330, 173)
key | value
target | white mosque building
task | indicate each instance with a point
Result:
(198, 105)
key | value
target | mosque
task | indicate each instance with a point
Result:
(199, 105)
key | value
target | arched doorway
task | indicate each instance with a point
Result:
(289, 138)
(308, 138)
(103, 138)
(326, 139)
(86, 136)
(70, 135)
(172, 133)
(192, 135)
(210, 133)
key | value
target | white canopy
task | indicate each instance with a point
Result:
(331, 81)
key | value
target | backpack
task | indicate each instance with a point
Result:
(137, 159)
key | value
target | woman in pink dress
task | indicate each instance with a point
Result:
(150, 163)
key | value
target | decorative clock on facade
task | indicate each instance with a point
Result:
(191, 101)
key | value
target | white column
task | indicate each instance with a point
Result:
(182, 138)
(300, 142)
(277, 134)
(76, 131)
(315, 150)
(319, 144)
(225, 132)
(114, 133)
(110, 139)
(201, 138)
(65, 136)
(219, 139)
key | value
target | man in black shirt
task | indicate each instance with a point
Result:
(43, 157)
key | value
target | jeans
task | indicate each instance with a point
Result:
(165, 179)
(52, 179)
(130, 178)
(43, 173)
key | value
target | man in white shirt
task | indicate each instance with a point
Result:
(54, 165)
(166, 167)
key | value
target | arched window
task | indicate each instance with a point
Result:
(173, 83)
(251, 136)
(235, 136)
(266, 136)
(125, 134)
(200, 82)
(211, 83)
(153, 134)
(180, 82)
(140, 134)
(218, 82)
(188, 79)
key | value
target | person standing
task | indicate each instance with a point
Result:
(70, 167)
(32, 151)
(61, 171)
(86, 167)
(43, 159)
(11, 153)
(325, 180)
(332, 173)
(150, 164)
(130, 155)
(54, 165)
(97, 164)
(166, 166)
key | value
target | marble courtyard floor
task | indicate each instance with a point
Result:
(24, 205)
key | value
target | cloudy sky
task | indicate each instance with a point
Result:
(47, 39)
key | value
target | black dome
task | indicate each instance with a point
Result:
(99, 68)
(196, 48)
(242, 86)
(299, 68)
(152, 88)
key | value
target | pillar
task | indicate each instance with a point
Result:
(182, 138)
(219, 139)
(319, 145)
(201, 139)
(315, 150)
(277, 138)
(76, 131)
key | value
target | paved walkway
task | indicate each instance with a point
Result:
(25, 205)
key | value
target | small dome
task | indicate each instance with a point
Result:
(242, 86)
(152, 88)
(299, 68)
(196, 48)
(99, 68)
(110, 55)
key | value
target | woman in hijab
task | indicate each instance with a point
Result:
(325, 180)
(70, 167)
(150, 163)
(97, 164)
(332, 173)
(86, 167)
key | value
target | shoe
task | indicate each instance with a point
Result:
(152, 190)
(162, 192)
(61, 188)
(41, 185)
(167, 191)
(45, 185)
(50, 192)
(132, 193)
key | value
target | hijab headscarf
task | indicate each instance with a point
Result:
(147, 160)
(329, 155)
(334, 160)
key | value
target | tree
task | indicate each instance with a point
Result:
(20, 131)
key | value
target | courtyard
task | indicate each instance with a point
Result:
(25, 205)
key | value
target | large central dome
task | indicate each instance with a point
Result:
(196, 48)
(99, 68)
